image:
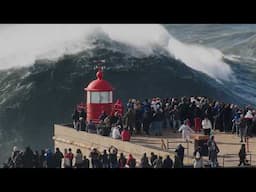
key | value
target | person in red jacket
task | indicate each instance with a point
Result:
(131, 162)
(198, 123)
(126, 136)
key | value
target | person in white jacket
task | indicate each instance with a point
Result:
(198, 161)
(116, 133)
(186, 131)
(207, 126)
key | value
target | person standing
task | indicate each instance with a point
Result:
(242, 156)
(105, 159)
(167, 163)
(213, 150)
(122, 161)
(180, 152)
(86, 163)
(242, 128)
(131, 162)
(207, 126)
(186, 131)
(113, 151)
(58, 156)
(249, 116)
(68, 158)
(79, 159)
(75, 118)
(198, 124)
(144, 161)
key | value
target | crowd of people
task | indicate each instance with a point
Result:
(186, 115)
(112, 159)
(106, 159)
(150, 117)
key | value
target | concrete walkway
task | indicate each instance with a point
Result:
(229, 145)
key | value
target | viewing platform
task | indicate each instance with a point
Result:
(67, 137)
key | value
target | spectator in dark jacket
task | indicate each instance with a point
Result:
(168, 163)
(147, 118)
(113, 157)
(91, 127)
(144, 161)
(42, 161)
(158, 163)
(75, 118)
(177, 161)
(50, 163)
(58, 156)
(152, 158)
(94, 158)
(105, 159)
(242, 156)
(122, 161)
(180, 152)
(36, 159)
(86, 163)
(28, 158)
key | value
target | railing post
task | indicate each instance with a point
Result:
(187, 151)
(247, 143)
(187, 148)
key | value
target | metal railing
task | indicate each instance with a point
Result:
(177, 142)
(232, 157)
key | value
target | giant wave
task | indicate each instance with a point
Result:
(44, 69)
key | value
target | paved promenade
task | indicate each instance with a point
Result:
(229, 145)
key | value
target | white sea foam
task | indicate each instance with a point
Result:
(22, 44)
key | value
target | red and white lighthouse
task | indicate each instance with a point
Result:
(99, 97)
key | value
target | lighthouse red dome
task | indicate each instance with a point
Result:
(99, 84)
